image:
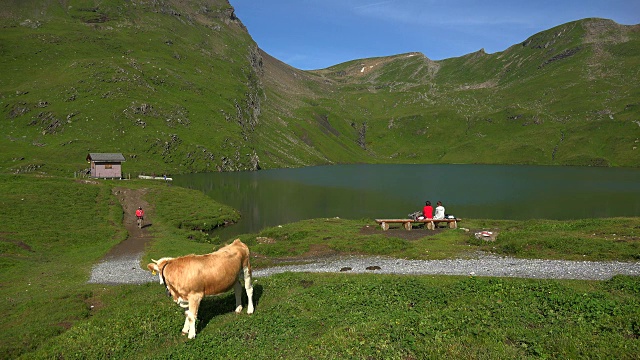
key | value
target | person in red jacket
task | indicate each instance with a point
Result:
(140, 216)
(428, 210)
(428, 214)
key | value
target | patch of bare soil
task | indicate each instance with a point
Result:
(17, 243)
(316, 252)
(400, 232)
(319, 251)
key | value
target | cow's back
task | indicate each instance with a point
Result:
(209, 274)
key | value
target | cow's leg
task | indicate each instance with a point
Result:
(191, 315)
(237, 291)
(185, 328)
(248, 286)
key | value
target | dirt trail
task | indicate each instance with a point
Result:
(131, 199)
(121, 265)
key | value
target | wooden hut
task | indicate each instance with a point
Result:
(106, 165)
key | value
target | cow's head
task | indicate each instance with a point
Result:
(156, 267)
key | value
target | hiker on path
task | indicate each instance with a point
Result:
(140, 216)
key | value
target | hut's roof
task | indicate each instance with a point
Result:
(107, 157)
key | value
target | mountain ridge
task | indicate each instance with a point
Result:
(179, 86)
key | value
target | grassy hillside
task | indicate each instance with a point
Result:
(179, 86)
(167, 83)
(564, 96)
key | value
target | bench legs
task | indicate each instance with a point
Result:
(385, 226)
(409, 225)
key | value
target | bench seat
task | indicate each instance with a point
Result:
(408, 223)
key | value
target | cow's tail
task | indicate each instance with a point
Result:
(246, 255)
(246, 263)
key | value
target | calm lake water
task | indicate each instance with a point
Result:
(272, 197)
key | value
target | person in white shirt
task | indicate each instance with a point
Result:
(439, 211)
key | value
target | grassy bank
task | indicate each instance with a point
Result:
(55, 229)
(589, 239)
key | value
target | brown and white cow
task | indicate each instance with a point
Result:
(189, 278)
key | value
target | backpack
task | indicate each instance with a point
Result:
(415, 215)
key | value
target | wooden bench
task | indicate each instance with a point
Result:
(408, 223)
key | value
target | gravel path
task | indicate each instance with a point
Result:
(126, 270)
(121, 270)
(121, 265)
(484, 265)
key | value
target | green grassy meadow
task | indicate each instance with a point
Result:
(55, 229)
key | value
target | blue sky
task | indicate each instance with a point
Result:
(315, 34)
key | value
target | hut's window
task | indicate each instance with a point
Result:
(107, 166)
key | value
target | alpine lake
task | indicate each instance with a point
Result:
(268, 198)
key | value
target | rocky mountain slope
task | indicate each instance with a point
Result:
(567, 95)
(179, 86)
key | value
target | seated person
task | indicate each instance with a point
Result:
(427, 211)
(439, 211)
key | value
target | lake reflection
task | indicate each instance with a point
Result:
(271, 197)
